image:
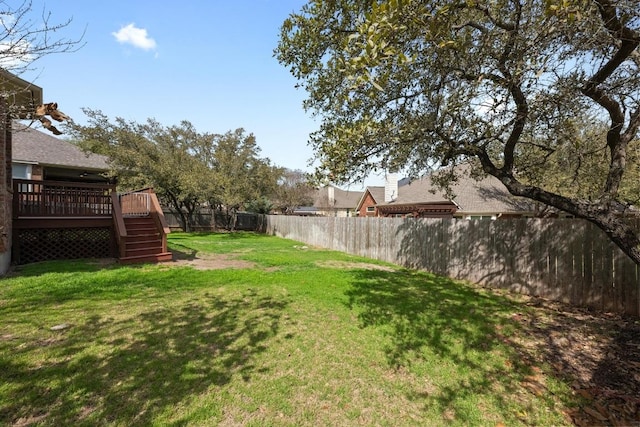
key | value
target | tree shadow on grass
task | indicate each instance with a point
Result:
(62, 266)
(53, 283)
(434, 320)
(130, 371)
(182, 252)
(561, 260)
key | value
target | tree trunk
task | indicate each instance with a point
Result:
(232, 218)
(184, 221)
(189, 217)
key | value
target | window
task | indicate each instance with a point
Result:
(371, 208)
(481, 217)
(21, 171)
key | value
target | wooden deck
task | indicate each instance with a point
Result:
(55, 199)
(67, 220)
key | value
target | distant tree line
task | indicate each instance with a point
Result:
(190, 170)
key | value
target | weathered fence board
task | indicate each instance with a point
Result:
(207, 220)
(567, 260)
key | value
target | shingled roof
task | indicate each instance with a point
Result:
(342, 199)
(376, 192)
(22, 96)
(487, 195)
(33, 146)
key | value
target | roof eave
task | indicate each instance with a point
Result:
(22, 95)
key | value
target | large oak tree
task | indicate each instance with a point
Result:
(186, 168)
(501, 84)
(240, 176)
(149, 154)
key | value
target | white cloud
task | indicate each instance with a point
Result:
(134, 36)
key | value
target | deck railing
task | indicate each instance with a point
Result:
(60, 199)
(136, 203)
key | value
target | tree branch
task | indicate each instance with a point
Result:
(522, 108)
(634, 125)
(628, 42)
(495, 21)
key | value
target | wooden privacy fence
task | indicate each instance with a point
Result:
(566, 260)
(209, 220)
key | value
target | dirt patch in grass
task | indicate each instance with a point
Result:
(221, 261)
(208, 261)
(354, 265)
(598, 353)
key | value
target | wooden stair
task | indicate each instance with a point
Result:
(144, 242)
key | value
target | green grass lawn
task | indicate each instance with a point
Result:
(299, 336)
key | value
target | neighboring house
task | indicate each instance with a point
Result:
(17, 96)
(333, 201)
(420, 198)
(40, 156)
(367, 204)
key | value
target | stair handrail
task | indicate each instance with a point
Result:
(118, 219)
(155, 207)
(158, 216)
(140, 190)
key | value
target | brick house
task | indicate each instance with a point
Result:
(40, 156)
(17, 97)
(367, 204)
(486, 198)
(65, 206)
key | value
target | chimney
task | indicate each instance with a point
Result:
(390, 187)
(331, 199)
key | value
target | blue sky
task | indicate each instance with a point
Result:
(206, 61)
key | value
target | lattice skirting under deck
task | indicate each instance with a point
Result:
(33, 245)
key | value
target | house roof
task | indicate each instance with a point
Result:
(377, 193)
(19, 93)
(486, 195)
(33, 146)
(342, 199)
